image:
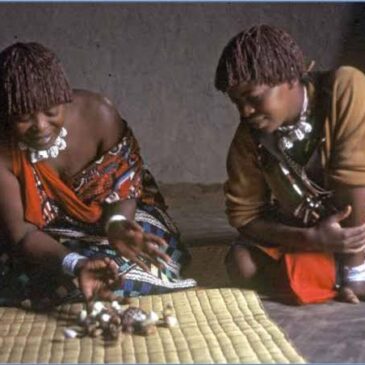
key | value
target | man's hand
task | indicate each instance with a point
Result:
(329, 236)
(97, 278)
(129, 239)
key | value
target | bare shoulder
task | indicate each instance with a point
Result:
(98, 114)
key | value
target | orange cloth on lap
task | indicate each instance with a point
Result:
(303, 277)
(311, 276)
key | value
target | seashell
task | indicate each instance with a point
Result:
(82, 316)
(170, 321)
(70, 333)
(98, 306)
(105, 317)
(153, 317)
(116, 306)
(94, 313)
(132, 316)
(113, 331)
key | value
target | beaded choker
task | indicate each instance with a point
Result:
(289, 134)
(51, 152)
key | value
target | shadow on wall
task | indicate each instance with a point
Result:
(353, 49)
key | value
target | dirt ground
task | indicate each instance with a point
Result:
(327, 333)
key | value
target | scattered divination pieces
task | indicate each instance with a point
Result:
(113, 319)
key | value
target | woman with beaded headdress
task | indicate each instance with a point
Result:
(296, 171)
(77, 204)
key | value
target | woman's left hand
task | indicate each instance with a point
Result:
(129, 239)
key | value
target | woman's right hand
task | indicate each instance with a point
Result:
(97, 278)
(329, 236)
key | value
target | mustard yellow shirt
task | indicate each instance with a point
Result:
(342, 153)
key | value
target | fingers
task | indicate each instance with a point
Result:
(142, 244)
(150, 253)
(132, 225)
(354, 233)
(355, 243)
(355, 239)
(107, 295)
(153, 244)
(152, 259)
(96, 274)
(353, 250)
(112, 266)
(155, 239)
(343, 214)
(155, 253)
(117, 283)
(132, 253)
(347, 295)
(141, 264)
(88, 294)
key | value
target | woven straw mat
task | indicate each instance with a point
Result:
(215, 326)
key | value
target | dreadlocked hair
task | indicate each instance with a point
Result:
(31, 79)
(262, 54)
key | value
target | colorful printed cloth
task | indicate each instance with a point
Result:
(70, 211)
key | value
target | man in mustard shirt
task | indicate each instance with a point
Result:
(296, 171)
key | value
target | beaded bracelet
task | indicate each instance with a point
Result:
(70, 261)
(355, 273)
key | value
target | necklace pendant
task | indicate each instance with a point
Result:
(53, 151)
(305, 126)
(299, 134)
(36, 156)
(286, 143)
(63, 132)
(61, 144)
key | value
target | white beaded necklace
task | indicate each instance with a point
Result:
(51, 152)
